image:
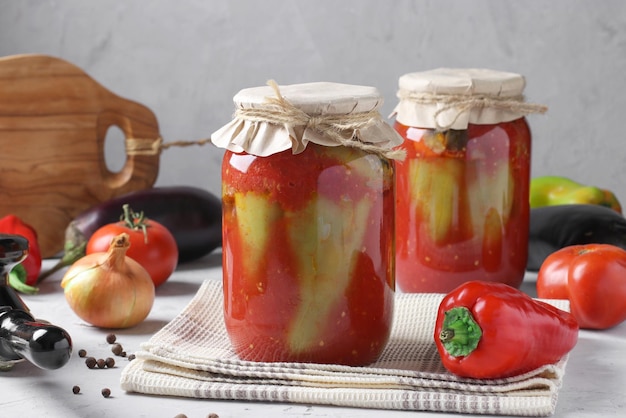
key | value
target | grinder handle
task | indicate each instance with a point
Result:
(21, 336)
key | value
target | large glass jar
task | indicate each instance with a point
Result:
(462, 210)
(308, 231)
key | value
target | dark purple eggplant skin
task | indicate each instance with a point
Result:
(559, 226)
(191, 214)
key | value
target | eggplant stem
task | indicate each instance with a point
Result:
(69, 257)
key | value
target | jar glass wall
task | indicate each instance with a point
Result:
(462, 206)
(308, 254)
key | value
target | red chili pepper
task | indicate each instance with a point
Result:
(11, 224)
(488, 330)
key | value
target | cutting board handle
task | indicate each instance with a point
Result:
(54, 120)
(141, 144)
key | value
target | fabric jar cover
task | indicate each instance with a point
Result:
(451, 98)
(270, 119)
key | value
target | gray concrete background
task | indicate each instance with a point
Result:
(186, 59)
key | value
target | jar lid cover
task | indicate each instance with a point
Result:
(317, 98)
(271, 119)
(451, 98)
(464, 81)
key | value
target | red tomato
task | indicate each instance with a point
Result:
(592, 277)
(156, 251)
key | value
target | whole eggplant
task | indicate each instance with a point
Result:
(559, 226)
(192, 215)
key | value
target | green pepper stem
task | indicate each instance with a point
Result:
(460, 333)
(17, 280)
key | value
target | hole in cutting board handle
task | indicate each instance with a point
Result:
(117, 169)
(138, 170)
(114, 149)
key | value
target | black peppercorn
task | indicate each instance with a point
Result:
(117, 349)
(90, 362)
(76, 389)
(109, 362)
(106, 392)
(101, 364)
(82, 352)
(111, 338)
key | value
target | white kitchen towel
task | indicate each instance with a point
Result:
(191, 357)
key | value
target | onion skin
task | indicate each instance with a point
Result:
(109, 289)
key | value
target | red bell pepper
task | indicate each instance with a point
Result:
(592, 277)
(487, 330)
(12, 224)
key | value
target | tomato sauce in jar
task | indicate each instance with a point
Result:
(462, 208)
(308, 240)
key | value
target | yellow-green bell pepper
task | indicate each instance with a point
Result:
(556, 190)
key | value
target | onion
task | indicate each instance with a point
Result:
(109, 289)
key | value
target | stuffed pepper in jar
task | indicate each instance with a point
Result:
(462, 208)
(308, 224)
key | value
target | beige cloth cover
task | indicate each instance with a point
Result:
(452, 98)
(191, 357)
(257, 135)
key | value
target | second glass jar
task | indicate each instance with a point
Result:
(462, 210)
(463, 214)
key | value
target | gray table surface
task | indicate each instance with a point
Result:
(594, 383)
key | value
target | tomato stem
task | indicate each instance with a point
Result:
(135, 220)
(460, 332)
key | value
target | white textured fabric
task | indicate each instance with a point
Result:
(315, 99)
(191, 357)
(457, 83)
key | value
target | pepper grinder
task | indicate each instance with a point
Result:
(21, 335)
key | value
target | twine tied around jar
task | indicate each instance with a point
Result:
(463, 102)
(342, 129)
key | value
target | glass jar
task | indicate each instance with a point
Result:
(462, 209)
(308, 231)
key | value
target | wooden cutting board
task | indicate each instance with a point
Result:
(53, 124)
